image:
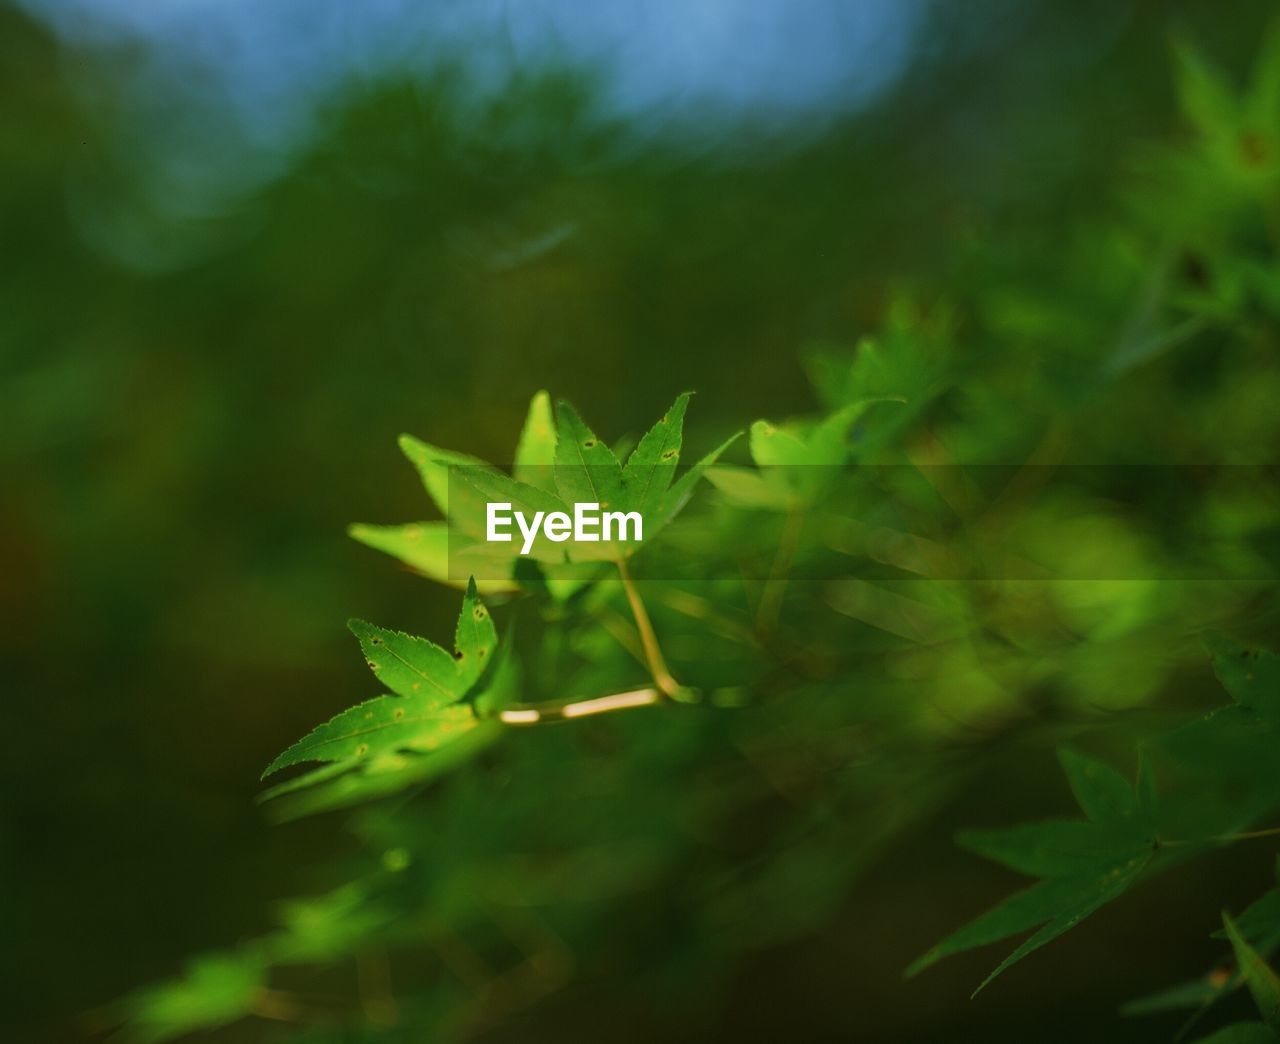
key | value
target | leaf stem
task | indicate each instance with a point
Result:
(1248, 835)
(657, 665)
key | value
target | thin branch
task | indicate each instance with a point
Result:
(541, 713)
(657, 665)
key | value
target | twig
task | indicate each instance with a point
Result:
(540, 713)
(657, 665)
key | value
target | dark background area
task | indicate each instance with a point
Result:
(196, 403)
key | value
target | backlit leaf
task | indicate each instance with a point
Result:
(536, 450)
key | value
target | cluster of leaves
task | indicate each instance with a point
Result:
(442, 708)
(557, 463)
(1225, 766)
(831, 627)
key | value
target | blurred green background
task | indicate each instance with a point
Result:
(240, 258)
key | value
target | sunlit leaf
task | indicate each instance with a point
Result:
(387, 740)
(536, 450)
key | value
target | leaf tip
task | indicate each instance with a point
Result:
(922, 962)
(274, 766)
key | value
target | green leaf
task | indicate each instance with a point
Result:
(1195, 993)
(423, 546)
(475, 639)
(1102, 793)
(536, 450)
(326, 927)
(1234, 748)
(215, 990)
(503, 684)
(438, 554)
(829, 441)
(586, 469)
(1084, 863)
(1263, 982)
(555, 467)
(1207, 99)
(412, 666)
(1259, 923)
(494, 487)
(750, 488)
(652, 464)
(677, 496)
(408, 665)
(1251, 676)
(355, 780)
(383, 725)
(906, 362)
(798, 463)
(1055, 905)
(1048, 848)
(1072, 900)
(384, 740)
(433, 465)
(773, 446)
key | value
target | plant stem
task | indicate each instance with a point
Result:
(657, 665)
(770, 607)
(540, 713)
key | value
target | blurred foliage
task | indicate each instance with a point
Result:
(1040, 257)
